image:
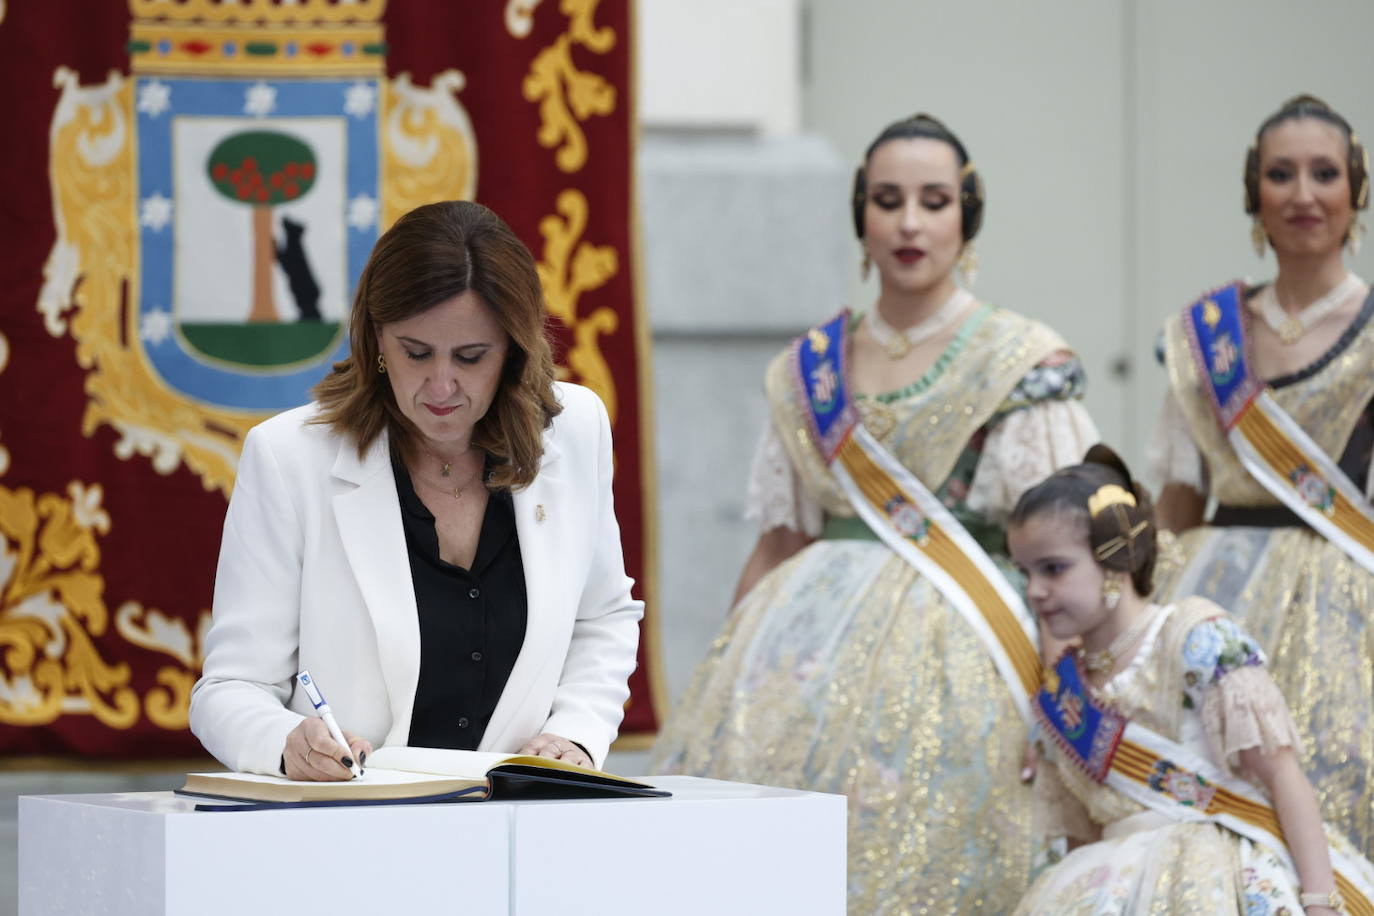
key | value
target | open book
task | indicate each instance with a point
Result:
(413, 775)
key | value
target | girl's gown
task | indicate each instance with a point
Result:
(1201, 681)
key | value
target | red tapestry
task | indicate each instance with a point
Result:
(190, 190)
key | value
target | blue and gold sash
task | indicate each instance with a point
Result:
(1270, 444)
(907, 517)
(1168, 777)
(1086, 732)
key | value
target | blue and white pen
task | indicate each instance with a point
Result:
(312, 690)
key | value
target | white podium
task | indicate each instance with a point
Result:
(713, 848)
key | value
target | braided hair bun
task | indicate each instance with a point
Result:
(1117, 512)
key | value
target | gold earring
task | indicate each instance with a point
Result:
(381, 364)
(1258, 237)
(968, 263)
(865, 267)
(1111, 592)
(1354, 236)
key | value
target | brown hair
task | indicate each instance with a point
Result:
(1122, 536)
(430, 255)
(1309, 106)
(924, 126)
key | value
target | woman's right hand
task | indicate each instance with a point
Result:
(311, 754)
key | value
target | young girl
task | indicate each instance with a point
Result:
(1181, 688)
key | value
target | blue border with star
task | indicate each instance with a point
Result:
(1230, 391)
(245, 388)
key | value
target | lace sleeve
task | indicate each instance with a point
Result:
(1171, 455)
(1024, 448)
(1241, 707)
(775, 498)
(1243, 710)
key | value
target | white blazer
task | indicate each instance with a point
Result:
(314, 573)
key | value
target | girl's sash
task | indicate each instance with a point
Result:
(1270, 444)
(907, 517)
(1167, 777)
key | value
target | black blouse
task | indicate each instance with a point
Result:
(472, 621)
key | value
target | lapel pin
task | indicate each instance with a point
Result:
(539, 514)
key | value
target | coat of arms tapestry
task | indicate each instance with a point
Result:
(190, 190)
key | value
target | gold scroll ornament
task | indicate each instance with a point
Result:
(52, 611)
(570, 266)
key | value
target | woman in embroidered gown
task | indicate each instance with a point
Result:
(1186, 672)
(841, 669)
(1309, 335)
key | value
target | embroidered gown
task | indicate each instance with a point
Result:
(1197, 679)
(844, 671)
(1310, 606)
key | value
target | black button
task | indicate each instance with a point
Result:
(475, 593)
(463, 722)
(477, 656)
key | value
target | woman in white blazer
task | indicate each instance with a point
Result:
(433, 538)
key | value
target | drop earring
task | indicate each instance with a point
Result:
(1354, 236)
(865, 267)
(1258, 237)
(968, 264)
(381, 364)
(1111, 593)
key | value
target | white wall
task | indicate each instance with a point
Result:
(720, 65)
(1110, 134)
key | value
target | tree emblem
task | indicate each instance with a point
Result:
(262, 168)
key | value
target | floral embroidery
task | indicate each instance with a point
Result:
(1058, 377)
(1313, 488)
(1260, 894)
(1212, 650)
(1183, 786)
(1098, 891)
(906, 517)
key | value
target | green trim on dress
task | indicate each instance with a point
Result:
(931, 375)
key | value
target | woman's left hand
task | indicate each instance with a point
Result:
(1030, 762)
(557, 748)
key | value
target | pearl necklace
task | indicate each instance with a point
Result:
(1292, 326)
(1105, 660)
(899, 343)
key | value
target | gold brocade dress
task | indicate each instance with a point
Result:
(845, 671)
(1198, 680)
(1310, 606)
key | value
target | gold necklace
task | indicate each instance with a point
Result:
(1291, 326)
(455, 492)
(899, 343)
(446, 471)
(1105, 660)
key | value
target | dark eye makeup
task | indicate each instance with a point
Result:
(468, 356)
(1324, 171)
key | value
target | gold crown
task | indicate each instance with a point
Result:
(259, 12)
(1109, 495)
(257, 37)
